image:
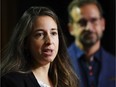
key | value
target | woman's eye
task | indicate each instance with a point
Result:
(54, 33)
(39, 35)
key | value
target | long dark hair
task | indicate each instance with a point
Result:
(16, 56)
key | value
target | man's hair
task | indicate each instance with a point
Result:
(80, 3)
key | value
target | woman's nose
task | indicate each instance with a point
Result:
(48, 40)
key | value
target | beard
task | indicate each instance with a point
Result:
(88, 38)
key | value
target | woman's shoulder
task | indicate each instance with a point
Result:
(15, 79)
(14, 75)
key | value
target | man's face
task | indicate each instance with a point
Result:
(88, 25)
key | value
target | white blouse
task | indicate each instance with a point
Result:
(42, 84)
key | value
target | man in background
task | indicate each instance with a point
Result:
(94, 66)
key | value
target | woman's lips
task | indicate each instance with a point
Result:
(48, 52)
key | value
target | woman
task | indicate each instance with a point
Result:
(36, 54)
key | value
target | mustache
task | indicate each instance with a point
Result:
(86, 32)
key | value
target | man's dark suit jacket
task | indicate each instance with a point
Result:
(107, 72)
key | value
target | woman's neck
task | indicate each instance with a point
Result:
(41, 74)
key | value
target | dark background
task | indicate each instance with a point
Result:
(12, 10)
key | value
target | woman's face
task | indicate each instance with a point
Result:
(44, 41)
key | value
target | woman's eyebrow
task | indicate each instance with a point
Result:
(54, 29)
(38, 30)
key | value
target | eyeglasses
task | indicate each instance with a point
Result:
(83, 22)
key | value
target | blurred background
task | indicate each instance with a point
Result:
(12, 10)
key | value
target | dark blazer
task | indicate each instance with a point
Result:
(107, 72)
(16, 79)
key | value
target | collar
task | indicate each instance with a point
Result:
(80, 52)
